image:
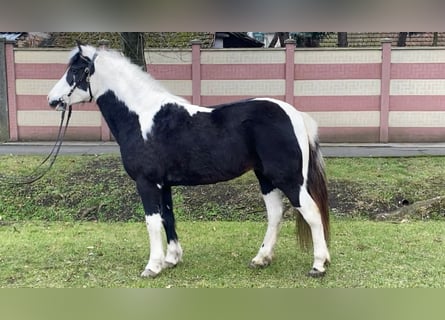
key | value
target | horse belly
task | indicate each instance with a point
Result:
(208, 167)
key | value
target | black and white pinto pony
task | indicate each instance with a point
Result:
(166, 141)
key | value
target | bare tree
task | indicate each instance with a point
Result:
(282, 36)
(133, 44)
(342, 39)
(435, 39)
(401, 42)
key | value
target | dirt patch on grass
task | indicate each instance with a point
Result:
(350, 199)
(105, 192)
(237, 200)
(97, 188)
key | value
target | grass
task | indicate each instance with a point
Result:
(80, 226)
(97, 188)
(88, 254)
(367, 186)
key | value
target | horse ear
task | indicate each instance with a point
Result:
(79, 45)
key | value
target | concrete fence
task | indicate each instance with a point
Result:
(356, 95)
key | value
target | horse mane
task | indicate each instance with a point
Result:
(141, 93)
(129, 70)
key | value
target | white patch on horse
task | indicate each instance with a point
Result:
(274, 206)
(194, 109)
(174, 253)
(156, 261)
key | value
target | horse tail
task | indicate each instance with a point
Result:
(316, 185)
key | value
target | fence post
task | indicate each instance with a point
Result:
(11, 91)
(4, 118)
(290, 70)
(105, 134)
(196, 71)
(385, 90)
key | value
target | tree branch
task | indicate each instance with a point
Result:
(422, 210)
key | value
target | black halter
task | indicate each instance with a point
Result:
(85, 76)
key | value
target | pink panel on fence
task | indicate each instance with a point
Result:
(417, 103)
(418, 71)
(337, 71)
(242, 71)
(417, 134)
(337, 103)
(39, 70)
(347, 134)
(170, 71)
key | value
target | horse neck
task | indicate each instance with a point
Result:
(130, 84)
(127, 97)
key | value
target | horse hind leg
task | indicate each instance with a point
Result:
(311, 214)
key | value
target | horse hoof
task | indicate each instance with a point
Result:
(170, 264)
(147, 273)
(256, 265)
(314, 273)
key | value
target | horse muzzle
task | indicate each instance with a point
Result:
(58, 105)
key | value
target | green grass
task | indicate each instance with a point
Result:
(389, 170)
(97, 188)
(81, 226)
(216, 254)
(367, 186)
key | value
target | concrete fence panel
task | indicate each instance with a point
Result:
(356, 95)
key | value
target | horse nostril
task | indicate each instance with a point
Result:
(53, 103)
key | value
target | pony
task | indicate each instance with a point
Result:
(166, 141)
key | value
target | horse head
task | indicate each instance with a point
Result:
(75, 85)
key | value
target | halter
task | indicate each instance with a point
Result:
(86, 76)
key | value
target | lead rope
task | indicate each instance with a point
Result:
(39, 171)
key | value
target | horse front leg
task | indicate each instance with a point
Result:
(274, 207)
(174, 250)
(150, 194)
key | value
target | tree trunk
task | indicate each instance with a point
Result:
(133, 47)
(435, 38)
(274, 40)
(282, 36)
(422, 210)
(401, 42)
(342, 39)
